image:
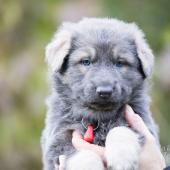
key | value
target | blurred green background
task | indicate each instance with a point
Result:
(26, 26)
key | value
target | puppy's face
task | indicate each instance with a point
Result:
(102, 64)
(102, 73)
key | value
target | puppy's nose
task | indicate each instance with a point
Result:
(104, 91)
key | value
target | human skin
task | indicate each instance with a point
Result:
(150, 156)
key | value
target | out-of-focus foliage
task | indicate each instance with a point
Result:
(152, 16)
(25, 29)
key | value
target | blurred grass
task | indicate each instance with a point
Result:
(26, 27)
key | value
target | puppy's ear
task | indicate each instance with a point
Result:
(145, 55)
(58, 49)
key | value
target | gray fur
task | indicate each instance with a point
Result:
(73, 95)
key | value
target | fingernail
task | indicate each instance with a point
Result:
(129, 110)
(75, 132)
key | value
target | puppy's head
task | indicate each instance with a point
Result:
(100, 61)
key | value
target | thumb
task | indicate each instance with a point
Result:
(136, 122)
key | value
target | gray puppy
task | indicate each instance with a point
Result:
(96, 67)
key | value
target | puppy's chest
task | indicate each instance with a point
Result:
(104, 128)
(101, 133)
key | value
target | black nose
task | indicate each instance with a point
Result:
(104, 91)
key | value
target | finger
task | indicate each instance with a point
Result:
(99, 150)
(62, 159)
(79, 144)
(136, 122)
(77, 134)
(77, 140)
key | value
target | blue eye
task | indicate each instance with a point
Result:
(119, 64)
(86, 62)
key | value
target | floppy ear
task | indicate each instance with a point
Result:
(145, 55)
(58, 49)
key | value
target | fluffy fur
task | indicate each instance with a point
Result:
(116, 55)
(122, 149)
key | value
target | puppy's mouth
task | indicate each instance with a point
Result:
(102, 106)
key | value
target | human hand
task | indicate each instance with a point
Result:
(150, 157)
(79, 144)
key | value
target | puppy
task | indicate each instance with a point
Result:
(96, 67)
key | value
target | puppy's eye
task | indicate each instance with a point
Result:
(86, 62)
(119, 64)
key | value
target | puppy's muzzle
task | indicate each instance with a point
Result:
(104, 92)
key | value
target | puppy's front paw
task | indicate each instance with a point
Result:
(85, 160)
(122, 149)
